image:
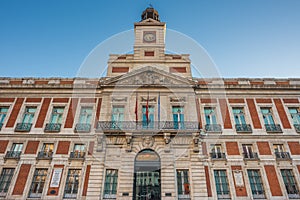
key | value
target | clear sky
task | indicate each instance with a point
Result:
(245, 38)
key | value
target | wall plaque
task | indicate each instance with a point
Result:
(56, 177)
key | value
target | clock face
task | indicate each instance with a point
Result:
(149, 37)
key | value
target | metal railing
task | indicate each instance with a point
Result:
(243, 128)
(297, 127)
(83, 128)
(140, 125)
(217, 128)
(1, 124)
(23, 127)
(273, 128)
(77, 155)
(283, 156)
(218, 156)
(45, 155)
(13, 154)
(251, 156)
(52, 127)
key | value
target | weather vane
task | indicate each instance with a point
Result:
(150, 5)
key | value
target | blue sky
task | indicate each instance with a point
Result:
(245, 38)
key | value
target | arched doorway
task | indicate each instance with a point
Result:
(146, 185)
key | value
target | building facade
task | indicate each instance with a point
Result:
(149, 131)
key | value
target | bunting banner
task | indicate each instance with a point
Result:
(147, 109)
(136, 108)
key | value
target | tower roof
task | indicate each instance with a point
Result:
(150, 12)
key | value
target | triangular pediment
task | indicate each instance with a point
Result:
(149, 76)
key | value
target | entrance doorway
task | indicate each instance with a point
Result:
(146, 185)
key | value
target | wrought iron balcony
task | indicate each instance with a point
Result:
(52, 127)
(82, 128)
(243, 128)
(77, 155)
(273, 128)
(297, 128)
(283, 156)
(217, 128)
(13, 155)
(218, 156)
(151, 126)
(1, 124)
(251, 156)
(45, 155)
(23, 127)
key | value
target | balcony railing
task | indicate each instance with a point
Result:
(45, 155)
(297, 128)
(131, 126)
(23, 127)
(283, 156)
(251, 156)
(217, 128)
(52, 127)
(273, 128)
(82, 128)
(243, 128)
(13, 155)
(77, 155)
(1, 124)
(218, 156)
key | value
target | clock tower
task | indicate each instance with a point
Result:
(149, 36)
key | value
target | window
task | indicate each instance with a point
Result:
(28, 115)
(47, 150)
(3, 113)
(178, 117)
(210, 115)
(256, 185)
(290, 183)
(222, 186)
(295, 114)
(85, 116)
(150, 122)
(248, 152)
(183, 185)
(56, 115)
(117, 115)
(72, 183)
(5, 179)
(239, 116)
(217, 152)
(269, 121)
(79, 151)
(38, 183)
(111, 183)
(17, 147)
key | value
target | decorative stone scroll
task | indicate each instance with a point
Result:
(144, 99)
(177, 99)
(115, 99)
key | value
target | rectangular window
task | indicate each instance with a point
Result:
(295, 114)
(72, 183)
(111, 183)
(290, 183)
(117, 114)
(256, 184)
(222, 185)
(178, 117)
(3, 113)
(267, 116)
(5, 179)
(38, 183)
(28, 115)
(216, 151)
(85, 116)
(247, 150)
(150, 122)
(17, 147)
(183, 184)
(47, 151)
(79, 151)
(210, 115)
(57, 114)
(239, 116)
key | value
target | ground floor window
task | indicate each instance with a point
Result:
(111, 183)
(183, 184)
(72, 183)
(290, 183)
(38, 182)
(5, 179)
(222, 186)
(256, 184)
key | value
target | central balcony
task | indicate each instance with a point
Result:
(273, 128)
(23, 127)
(52, 128)
(243, 128)
(109, 126)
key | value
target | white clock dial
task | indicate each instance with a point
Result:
(149, 37)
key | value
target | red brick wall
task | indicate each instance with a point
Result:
(7, 99)
(208, 187)
(273, 180)
(63, 147)
(3, 145)
(240, 191)
(204, 148)
(91, 148)
(225, 114)
(55, 190)
(98, 112)
(71, 113)
(264, 148)
(149, 53)
(198, 112)
(236, 101)
(60, 100)
(120, 69)
(88, 100)
(290, 100)
(294, 148)
(253, 114)
(86, 180)
(14, 113)
(232, 148)
(21, 179)
(33, 100)
(43, 113)
(177, 69)
(298, 167)
(263, 101)
(32, 147)
(208, 100)
(282, 114)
